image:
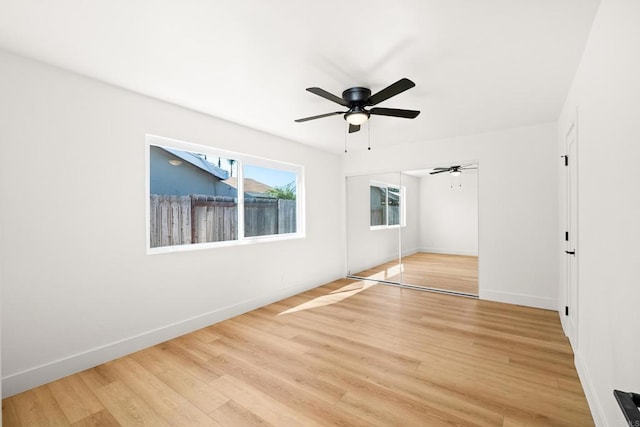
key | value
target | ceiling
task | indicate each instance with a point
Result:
(478, 65)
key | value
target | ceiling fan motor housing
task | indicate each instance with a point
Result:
(356, 96)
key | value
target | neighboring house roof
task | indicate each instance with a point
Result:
(251, 186)
(258, 195)
(199, 162)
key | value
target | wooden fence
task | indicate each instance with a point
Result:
(378, 216)
(179, 220)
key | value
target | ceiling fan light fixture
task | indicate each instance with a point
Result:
(356, 118)
(456, 173)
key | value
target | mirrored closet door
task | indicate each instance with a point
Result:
(415, 228)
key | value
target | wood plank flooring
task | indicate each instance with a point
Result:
(458, 273)
(350, 353)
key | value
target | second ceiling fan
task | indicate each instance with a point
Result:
(356, 99)
(453, 170)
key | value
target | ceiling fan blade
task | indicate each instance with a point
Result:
(435, 172)
(392, 90)
(353, 128)
(395, 112)
(326, 95)
(306, 119)
(441, 169)
(466, 168)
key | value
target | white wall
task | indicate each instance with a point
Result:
(448, 212)
(77, 286)
(606, 93)
(518, 204)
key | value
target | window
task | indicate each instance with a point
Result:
(269, 201)
(387, 204)
(199, 197)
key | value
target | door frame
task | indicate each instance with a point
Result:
(570, 311)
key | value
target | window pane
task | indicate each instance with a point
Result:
(270, 205)
(393, 209)
(190, 198)
(378, 201)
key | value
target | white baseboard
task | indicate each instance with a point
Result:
(519, 299)
(408, 252)
(450, 251)
(51, 371)
(587, 385)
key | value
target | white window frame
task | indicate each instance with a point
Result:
(403, 203)
(241, 159)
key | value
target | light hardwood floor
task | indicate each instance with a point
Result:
(458, 273)
(351, 353)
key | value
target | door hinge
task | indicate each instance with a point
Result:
(566, 160)
(566, 236)
(566, 310)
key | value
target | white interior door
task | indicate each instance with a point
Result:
(571, 311)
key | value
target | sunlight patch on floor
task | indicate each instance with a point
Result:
(334, 297)
(347, 291)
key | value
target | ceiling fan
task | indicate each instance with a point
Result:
(356, 99)
(453, 170)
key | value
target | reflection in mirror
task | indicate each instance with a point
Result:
(443, 254)
(415, 228)
(377, 205)
(374, 205)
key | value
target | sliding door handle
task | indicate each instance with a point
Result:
(570, 252)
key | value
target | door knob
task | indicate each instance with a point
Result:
(570, 252)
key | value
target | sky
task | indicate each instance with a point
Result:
(271, 177)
